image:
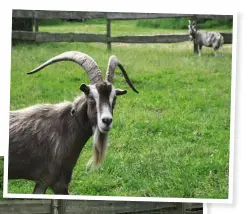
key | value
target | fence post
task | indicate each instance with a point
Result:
(62, 207)
(55, 206)
(108, 34)
(184, 207)
(36, 25)
(180, 208)
(195, 45)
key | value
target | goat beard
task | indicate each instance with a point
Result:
(100, 145)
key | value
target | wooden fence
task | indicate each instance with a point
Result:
(96, 207)
(36, 36)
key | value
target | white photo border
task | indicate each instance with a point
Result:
(155, 199)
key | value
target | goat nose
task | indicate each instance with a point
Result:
(107, 120)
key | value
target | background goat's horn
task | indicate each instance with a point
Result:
(85, 61)
(112, 64)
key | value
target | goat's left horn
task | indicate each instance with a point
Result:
(84, 60)
(112, 64)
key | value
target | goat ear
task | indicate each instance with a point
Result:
(120, 91)
(84, 88)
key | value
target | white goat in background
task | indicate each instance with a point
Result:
(204, 38)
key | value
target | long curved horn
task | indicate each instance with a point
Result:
(85, 61)
(112, 64)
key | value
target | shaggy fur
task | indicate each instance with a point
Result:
(45, 140)
(36, 135)
(204, 38)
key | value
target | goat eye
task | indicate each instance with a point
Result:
(113, 103)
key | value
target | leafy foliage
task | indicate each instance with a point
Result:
(182, 23)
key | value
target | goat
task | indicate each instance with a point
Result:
(45, 140)
(204, 38)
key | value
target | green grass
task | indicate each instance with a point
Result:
(118, 28)
(170, 140)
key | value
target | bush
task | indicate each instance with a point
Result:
(170, 23)
(214, 23)
(95, 21)
(182, 23)
(48, 22)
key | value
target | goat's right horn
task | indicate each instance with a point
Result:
(112, 64)
(85, 61)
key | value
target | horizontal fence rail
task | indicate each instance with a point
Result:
(40, 37)
(25, 206)
(69, 37)
(35, 15)
(151, 39)
(50, 14)
(118, 207)
(102, 207)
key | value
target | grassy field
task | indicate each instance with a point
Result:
(118, 28)
(170, 140)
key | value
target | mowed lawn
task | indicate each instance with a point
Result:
(170, 140)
